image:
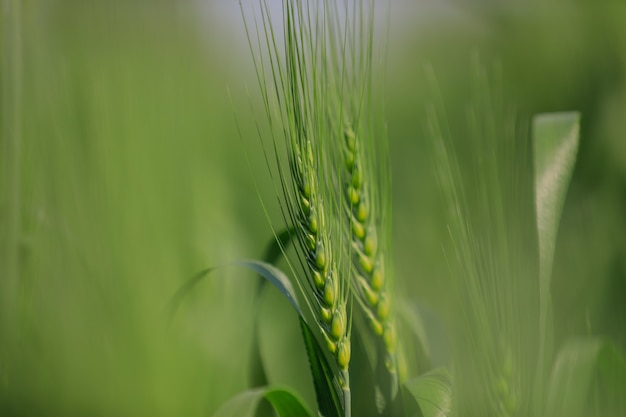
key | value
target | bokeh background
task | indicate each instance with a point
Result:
(124, 173)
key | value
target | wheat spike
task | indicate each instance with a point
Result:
(369, 273)
(327, 292)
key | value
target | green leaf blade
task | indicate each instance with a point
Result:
(246, 404)
(555, 144)
(586, 370)
(555, 140)
(331, 396)
(429, 395)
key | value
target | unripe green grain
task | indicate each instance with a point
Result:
(389, 337)
(338, 325)
(318, 280)
(362, 212)
(366, 263)
(330, 293)
(313, 224)
(353, 195)
(378, 279)
(327, 315)
(320, 258)
(369, 275)
(382, 308)
(343, 355)
(328, 300)
(358, 230)
(371, 244)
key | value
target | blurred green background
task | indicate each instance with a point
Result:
(123, 174)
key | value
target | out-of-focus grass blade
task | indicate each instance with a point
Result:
(429, 395)
(555, 140)
(555, 143)
(267, 271)
(327, 388)
(588, 378)
(424, 338)
(246, 404)
(273, 250)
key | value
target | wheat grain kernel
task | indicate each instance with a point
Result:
(366, 263)
(320, 257)
(350, 161)
(313, 223)
(354, 196)
(358, 230)
(330, 293)
(371, 243)
(389, 337)
(378, 279)
(343, 355)
(338, 325)
(362, 212)
(382, 309)
(318, 280)
(326, 314)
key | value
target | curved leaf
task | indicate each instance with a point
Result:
(586, 370)
(275, 248)
(555, 143)
(273, 251)
(327, 387)
(429, 395)
(283, 402)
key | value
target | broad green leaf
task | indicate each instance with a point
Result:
(429, 395)
(327, 387)
(588, 378)
(555, 143)
(246, 404)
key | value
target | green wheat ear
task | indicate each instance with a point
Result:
(325, 284)
(294, 84)
(370, 277)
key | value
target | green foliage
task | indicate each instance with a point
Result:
(121, 174)
(587, 379)
(555, 140)
(247, 403)
(430, 395)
